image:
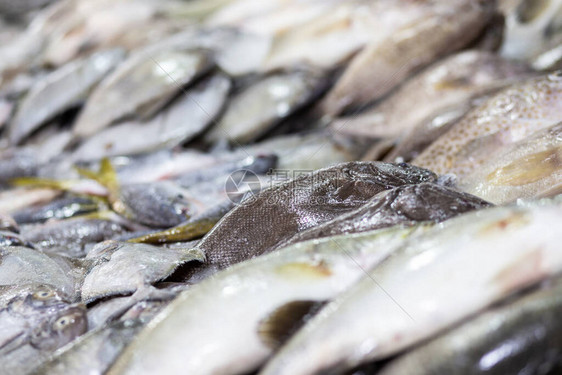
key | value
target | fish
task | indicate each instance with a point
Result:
(123, 268)
(9, 238)
(40, 321)
(425, 133)
(21, 8)
(59, 91)
(531, 28)
(22, 265)
(388, 61)
(527, 325)
(16, 199)
(71, 237)
(505, 118)
(449, 83)
(140, 86)
(63, 208)
(92, 352)
(299, 204)
(399, 305)
(530, 168)
(262, 105)
(339, 31)
(181, 121)
(8, 223)
(265, 296)
(403, 205)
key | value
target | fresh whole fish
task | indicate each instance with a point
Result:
(308, 272)
(258, 108)
(59, 209)
(516, 337)
(40, 322)
(421, 290)
(300, 204)
(507, 117)
(70, 237)
(22, 265)
(184, 119)
(385, 63)
(451, 82)
(122, 268)
(140, 86)
(59, 91)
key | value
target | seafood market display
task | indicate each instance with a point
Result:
(280, 187)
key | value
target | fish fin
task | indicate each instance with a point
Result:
(283, 322)
(105, 176)
(185, 232)
(528, 169)
(43, 182)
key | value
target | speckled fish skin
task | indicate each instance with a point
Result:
(297, 205)
(527, 169)
(140, 86)
(521, 336)
(184, 119)
(261, 106)
(502, 251)
(385, 63)
(123, 268)
(69, 237)
(22, 265)
(404, 205)
(59, 91)
(453, 81)
(507, 117)
(315, 270)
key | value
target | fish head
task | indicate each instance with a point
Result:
(60, 329)
(36, 299)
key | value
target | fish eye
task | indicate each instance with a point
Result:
(64, 321)
(43, 294)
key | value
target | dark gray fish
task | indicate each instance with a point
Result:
(406, 205)
(69, 237)
(278, 213)
(521, 336)
(123, 268)
(59, 209)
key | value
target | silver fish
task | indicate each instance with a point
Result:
(184, 119)
(421, 290)
(122, 268)
(59, 91)
(517, 336)
(311, 271)
(264, 104)
(140, 86)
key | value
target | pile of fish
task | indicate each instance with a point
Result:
(280, 187)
